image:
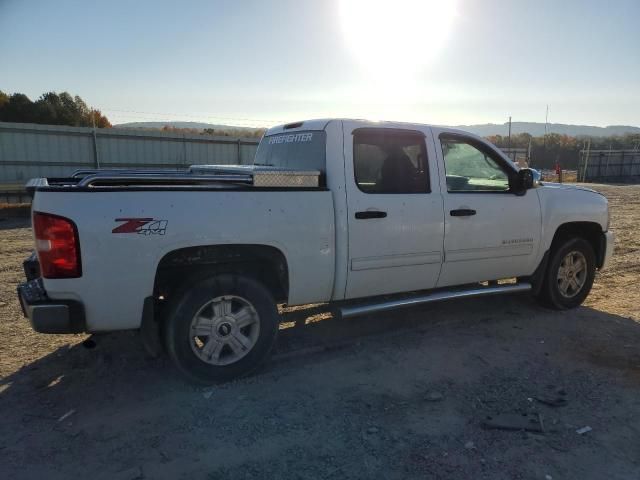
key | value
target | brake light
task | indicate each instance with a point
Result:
(57, 245)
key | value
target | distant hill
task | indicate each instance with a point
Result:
(484, 130)
(537, 129)
(189, 125)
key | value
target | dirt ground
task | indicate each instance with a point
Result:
(394, 396)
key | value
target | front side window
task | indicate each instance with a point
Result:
(390, 161)
(470, 169)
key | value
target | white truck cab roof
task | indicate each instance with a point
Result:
(321, 124)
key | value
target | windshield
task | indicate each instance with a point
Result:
(298, 151)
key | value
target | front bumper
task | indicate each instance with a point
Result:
(50, 316)
(609, 240)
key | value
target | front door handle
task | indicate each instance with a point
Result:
(462, 212)
(370, 214)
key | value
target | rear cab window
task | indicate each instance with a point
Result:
(299, 150)
(390, 161)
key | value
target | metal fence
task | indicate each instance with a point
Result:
(519, 156)
(615, 166)
(28, 150)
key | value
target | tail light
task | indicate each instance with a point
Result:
(57, 245)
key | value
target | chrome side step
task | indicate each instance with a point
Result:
(354, 311)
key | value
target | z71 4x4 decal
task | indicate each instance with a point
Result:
(141, 226)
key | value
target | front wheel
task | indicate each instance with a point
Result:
(569, 276)
(221, 328)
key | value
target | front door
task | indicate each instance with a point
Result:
(490, 232)
(395, 214)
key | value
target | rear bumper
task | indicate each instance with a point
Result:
(50, 316)
(609, 240)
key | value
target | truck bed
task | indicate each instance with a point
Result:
(119, 261)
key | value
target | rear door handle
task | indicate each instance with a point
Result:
(370, 214)
(462, 212)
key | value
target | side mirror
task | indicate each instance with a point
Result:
(526, 179)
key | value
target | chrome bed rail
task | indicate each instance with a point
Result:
(139, 178)
(83, 172)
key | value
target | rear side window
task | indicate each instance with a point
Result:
(295, 150)
(390, 161)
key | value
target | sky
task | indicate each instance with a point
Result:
(260, 63)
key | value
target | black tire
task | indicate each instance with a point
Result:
(550, 294)
(196, 296)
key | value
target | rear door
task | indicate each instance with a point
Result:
(395, 210)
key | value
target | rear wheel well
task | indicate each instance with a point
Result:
(590, 231)
(264, 263)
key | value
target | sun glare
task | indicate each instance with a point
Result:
(396, 37)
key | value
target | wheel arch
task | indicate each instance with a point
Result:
(265, 263)
(590, 231)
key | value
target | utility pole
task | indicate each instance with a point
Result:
(586, 161)
(546, 121)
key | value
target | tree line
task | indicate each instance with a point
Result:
(53, 108)
(220, 132)
(50, 109)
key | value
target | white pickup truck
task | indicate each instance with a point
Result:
(367, 215)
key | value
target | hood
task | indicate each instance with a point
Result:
(564, 186)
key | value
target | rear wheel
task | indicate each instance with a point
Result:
(570, 273)
(221, 328)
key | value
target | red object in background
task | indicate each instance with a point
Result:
(57, 245)
(558, 169)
